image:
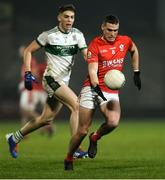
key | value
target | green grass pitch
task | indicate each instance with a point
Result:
(135, 150)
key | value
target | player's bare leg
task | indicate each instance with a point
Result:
(85, 121)
(44, 119)
(27, 115)
(111, 112)
(85, 116)
(65, 95)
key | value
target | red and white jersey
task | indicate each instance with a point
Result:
(108, 55)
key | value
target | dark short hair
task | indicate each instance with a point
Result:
(67, 7)
(112, 19)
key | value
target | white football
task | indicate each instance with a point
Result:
(114, 79)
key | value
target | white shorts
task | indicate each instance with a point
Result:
(49, 90)
(30, 99)
(89, 99)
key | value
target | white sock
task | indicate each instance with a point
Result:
(17, 137)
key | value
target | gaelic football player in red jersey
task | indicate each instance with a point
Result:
(105, 52)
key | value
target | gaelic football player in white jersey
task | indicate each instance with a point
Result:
(61, 44)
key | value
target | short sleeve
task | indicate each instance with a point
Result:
(92, 54)
(42, 38)
(130, 43)
(81, 42)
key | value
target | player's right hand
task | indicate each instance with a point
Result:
(28, 80)
(99, 92)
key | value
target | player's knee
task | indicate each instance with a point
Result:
(75, 107)
(83, 131)
(113, 123)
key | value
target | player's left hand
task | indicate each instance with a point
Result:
(28, 80)
(137, 79)
(99, 92)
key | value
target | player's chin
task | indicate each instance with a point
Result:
(111, 39)
(68, 27)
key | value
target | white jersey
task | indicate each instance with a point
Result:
(60, 49)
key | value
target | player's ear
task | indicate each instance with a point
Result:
(102, 27)
(59, 18)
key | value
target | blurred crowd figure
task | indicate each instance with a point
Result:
(31, 102)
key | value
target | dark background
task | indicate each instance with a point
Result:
(144, 21)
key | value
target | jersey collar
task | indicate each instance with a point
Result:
(63, 31)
